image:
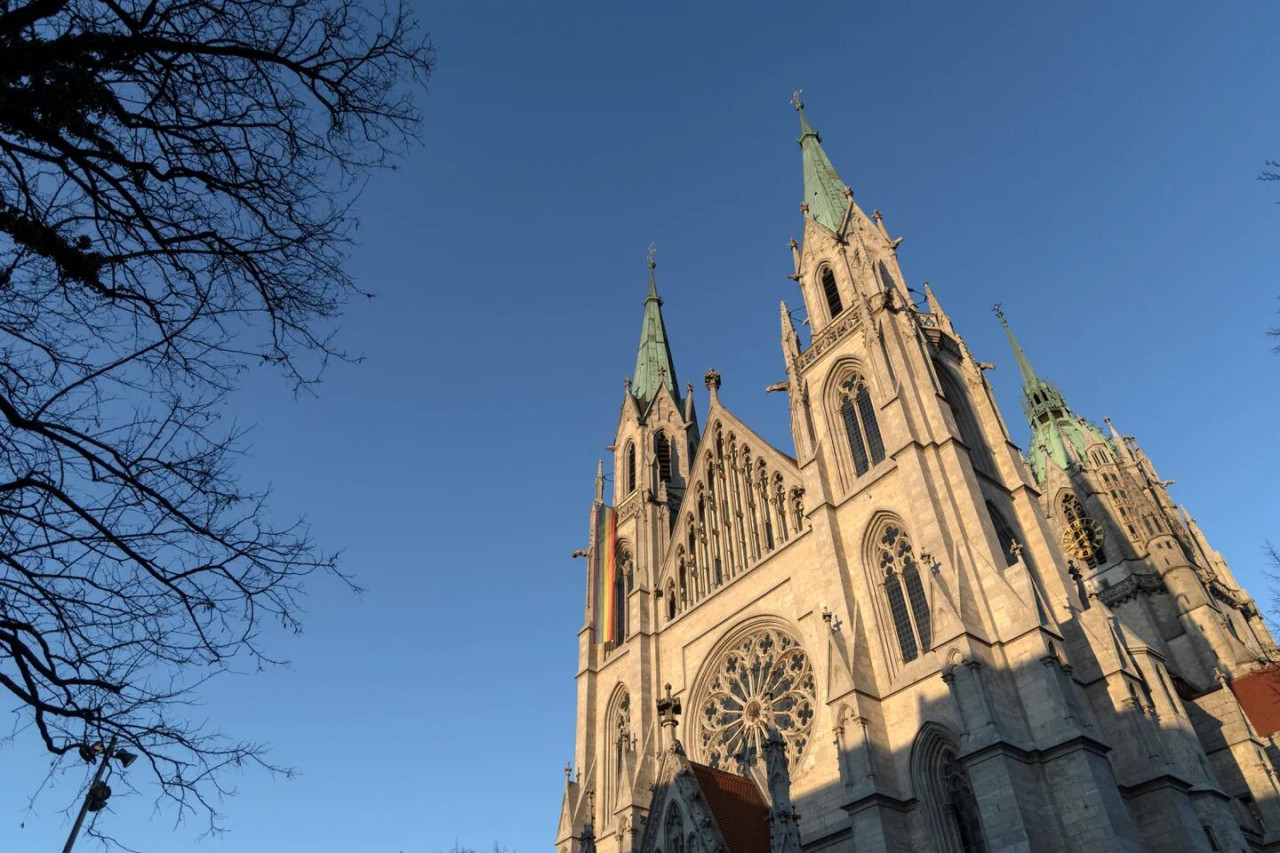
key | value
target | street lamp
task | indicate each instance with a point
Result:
(96, 797)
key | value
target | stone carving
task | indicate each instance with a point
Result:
(1131, 587)
(828, 338)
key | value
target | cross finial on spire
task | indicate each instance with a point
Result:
(795, 99)
(1029, 378)
(653, 250)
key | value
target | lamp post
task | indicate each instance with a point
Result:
(96, 797)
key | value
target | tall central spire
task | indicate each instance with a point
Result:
(654, 366)
(825, 194)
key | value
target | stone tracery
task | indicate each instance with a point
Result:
(763, 681)
(738, 512)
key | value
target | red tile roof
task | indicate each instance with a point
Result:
(1259, 695)
(739, 810)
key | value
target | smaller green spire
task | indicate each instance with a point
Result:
(1039, 397)
(654, 366)
(1024, 366)
(825, 195)
(1053, 424)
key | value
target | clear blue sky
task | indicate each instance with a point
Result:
(1092, 166)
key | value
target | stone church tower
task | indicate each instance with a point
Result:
(906, 636)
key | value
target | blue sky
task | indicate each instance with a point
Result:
(1091, 166)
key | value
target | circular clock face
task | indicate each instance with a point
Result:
(1082, 538)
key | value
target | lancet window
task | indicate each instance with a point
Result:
(962, 806)
(862, 431)
(943, 786)
(662, 450)
(904, 590)
(618, 730)
(623, 583)
(737, 509)
(958, 400)
(1004, 533)
(831, 292)
(630, 471)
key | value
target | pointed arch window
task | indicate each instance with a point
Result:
(962, 805)
(619, 733)
(831, 292)
(671, 600)
(1004, 533)
(662, 450)
(942, 784)
(904, 591)
(966, 422)
(862, 431)
(630, 470)
(623, 583)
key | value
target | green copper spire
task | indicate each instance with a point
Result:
(1029, 377)
(825, 194)
(654, 367)
(1053, 424)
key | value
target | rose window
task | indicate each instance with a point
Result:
(762, 682)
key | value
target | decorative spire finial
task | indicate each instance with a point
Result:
(668, 710)
(712, 380)
(653, 250)
(1029, 377)
(795, 99)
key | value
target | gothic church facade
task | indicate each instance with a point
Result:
(905, 634)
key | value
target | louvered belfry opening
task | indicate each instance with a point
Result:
(662, 449)
(831, 292)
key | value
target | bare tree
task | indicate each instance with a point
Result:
(175, 187)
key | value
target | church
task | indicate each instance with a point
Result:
(903, 632)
